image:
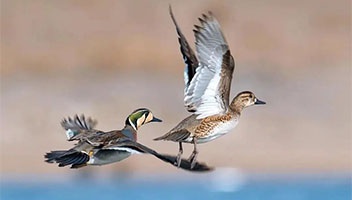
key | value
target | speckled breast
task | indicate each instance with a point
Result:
(217, 129)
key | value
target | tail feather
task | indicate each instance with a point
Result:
(64, 158)
(51, 156)
(75, 166)
(67, 160)
(82, 160)
(178, 136)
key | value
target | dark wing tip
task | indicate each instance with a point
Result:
(198, 28)
(78, 122)
(159, 138)
(172, 16)
(185, 164)
(206, 17)
(170, 10)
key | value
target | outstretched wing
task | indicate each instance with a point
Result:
(209, 88)
(78, 126)
(135, 147)
(190, 60)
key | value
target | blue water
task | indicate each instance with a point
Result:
(169, 188)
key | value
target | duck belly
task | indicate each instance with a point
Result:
(220, 130)
(103, 157)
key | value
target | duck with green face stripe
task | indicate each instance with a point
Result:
(97, 147)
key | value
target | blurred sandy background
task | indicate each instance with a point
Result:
(107, 58)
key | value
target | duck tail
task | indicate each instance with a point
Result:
(159, 138)
(177, 136)
(71, 157)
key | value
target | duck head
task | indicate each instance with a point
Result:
(139, 117)
(244, 99)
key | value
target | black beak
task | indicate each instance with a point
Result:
(259, 102)
(156, 120)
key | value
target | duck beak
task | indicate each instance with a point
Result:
(259, 102)
(155, 120)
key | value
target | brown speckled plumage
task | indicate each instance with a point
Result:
(208, 79)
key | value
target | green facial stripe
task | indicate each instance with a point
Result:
(135, 116)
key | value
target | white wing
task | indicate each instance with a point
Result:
(209, 88)
(189, 58)
(130, 150)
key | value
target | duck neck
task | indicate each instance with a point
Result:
(129, 132)
(236, 106)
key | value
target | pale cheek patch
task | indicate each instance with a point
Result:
(140, 121)
(249, 103)
(149, 117)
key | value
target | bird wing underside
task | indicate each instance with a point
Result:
(208, 78)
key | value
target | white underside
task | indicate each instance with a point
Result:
(111, 157)
(219, 131)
